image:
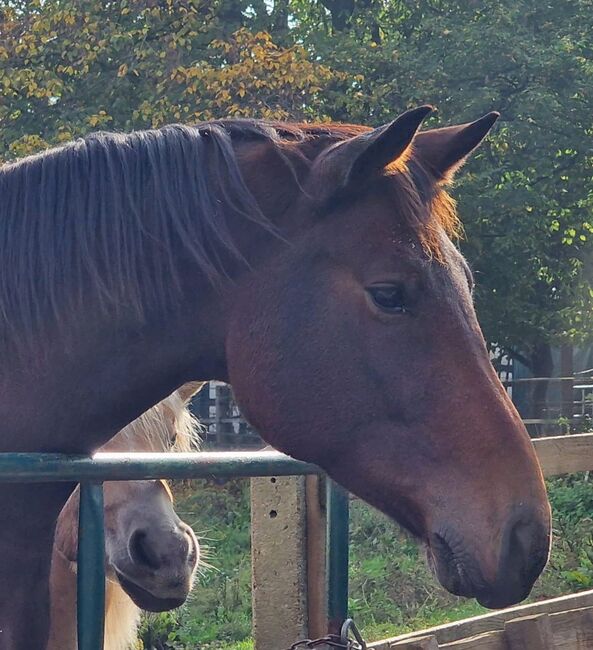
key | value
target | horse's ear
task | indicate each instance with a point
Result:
(187, 391)
(354, 161)
(442, 151)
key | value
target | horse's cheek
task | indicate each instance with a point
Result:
(267, 363)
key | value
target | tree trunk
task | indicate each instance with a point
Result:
(566, 387)
(341, 12)
(279, 21)
(542, 365)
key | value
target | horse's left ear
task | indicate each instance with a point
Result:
(443, 151)
(187, 391)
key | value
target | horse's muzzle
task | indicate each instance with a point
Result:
(523, 554)
(158, 570)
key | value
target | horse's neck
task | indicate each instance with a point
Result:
(121, 615)
(81, 391)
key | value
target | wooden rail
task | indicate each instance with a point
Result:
(477, 628)
(565, 454)
(570, 630)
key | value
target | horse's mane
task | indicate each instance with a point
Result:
(154, 426)
(112, 215)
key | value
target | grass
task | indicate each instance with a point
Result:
(392, 591)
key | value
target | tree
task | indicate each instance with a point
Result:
(67, 67)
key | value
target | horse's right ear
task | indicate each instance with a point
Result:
(187, 391)
(350, 164)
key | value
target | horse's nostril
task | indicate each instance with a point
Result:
(141, 551)
(192, 555)
(192, 548)
(522, 537)
(527, 548)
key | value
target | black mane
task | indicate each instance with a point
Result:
(110, 213)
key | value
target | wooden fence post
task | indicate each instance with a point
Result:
(567, 384)
(289, 593)
(529, 632)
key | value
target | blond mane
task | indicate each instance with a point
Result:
(155, 426)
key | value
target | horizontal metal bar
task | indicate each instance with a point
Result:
(530, 380)
(39, 468)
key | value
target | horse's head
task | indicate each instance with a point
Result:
(148, 548)
(356, 346)
(151, 552)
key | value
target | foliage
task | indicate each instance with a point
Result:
(67, 67)
(572, 501)
(71, 67)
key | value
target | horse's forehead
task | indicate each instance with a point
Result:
(377, 229)
(385, 249)
(134, 496)
(373, 231)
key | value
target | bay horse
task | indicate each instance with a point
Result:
(151, 556)
(309, 266)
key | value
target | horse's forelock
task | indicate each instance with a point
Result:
(187, 426)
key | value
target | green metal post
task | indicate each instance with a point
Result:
(338, 507)
(91, 567)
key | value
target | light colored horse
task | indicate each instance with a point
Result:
(150, 554)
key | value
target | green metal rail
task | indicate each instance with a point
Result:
(91, 472)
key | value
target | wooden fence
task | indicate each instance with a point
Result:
(565, 622)
(572, 630)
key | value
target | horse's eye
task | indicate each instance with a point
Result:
(389, 297)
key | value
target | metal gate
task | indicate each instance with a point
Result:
(91, 472)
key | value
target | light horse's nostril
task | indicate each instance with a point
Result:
(176, 548)
(191, 548)
(141, 552)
